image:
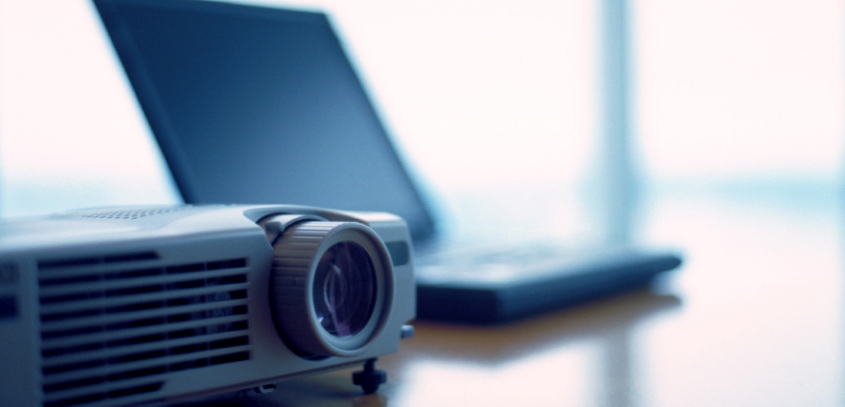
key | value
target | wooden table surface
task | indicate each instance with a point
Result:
(754, 318)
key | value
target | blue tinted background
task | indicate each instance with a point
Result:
(480, 99)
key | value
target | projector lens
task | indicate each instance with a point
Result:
(344, 290)
(331, 287)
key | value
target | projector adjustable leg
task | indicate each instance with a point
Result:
(370, 378)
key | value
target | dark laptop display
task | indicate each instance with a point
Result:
(261, 105)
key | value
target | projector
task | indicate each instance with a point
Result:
(140, 305)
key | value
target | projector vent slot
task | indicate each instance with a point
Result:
(112, 332)
(52, 279)
(94, 260)
(105, 395)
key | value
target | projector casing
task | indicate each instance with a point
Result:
(139, 305)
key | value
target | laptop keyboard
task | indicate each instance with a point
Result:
(501, 265)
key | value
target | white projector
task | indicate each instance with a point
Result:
(160, 304)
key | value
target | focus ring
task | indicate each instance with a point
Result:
(294, 255)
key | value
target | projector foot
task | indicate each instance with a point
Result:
(370, 378)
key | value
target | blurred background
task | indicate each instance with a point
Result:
(732, 149)
(481, 98)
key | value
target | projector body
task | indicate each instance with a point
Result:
(161, 304)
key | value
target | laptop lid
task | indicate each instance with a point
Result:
(259, 105)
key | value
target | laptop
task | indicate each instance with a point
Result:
(255, 104)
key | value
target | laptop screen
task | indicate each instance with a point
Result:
(259, 105)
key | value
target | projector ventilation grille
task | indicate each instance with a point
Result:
(134, 213)
(113, 327)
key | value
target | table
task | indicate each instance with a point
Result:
(754, 318)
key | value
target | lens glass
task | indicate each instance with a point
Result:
(344, 291)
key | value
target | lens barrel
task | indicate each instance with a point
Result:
(331, 287)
